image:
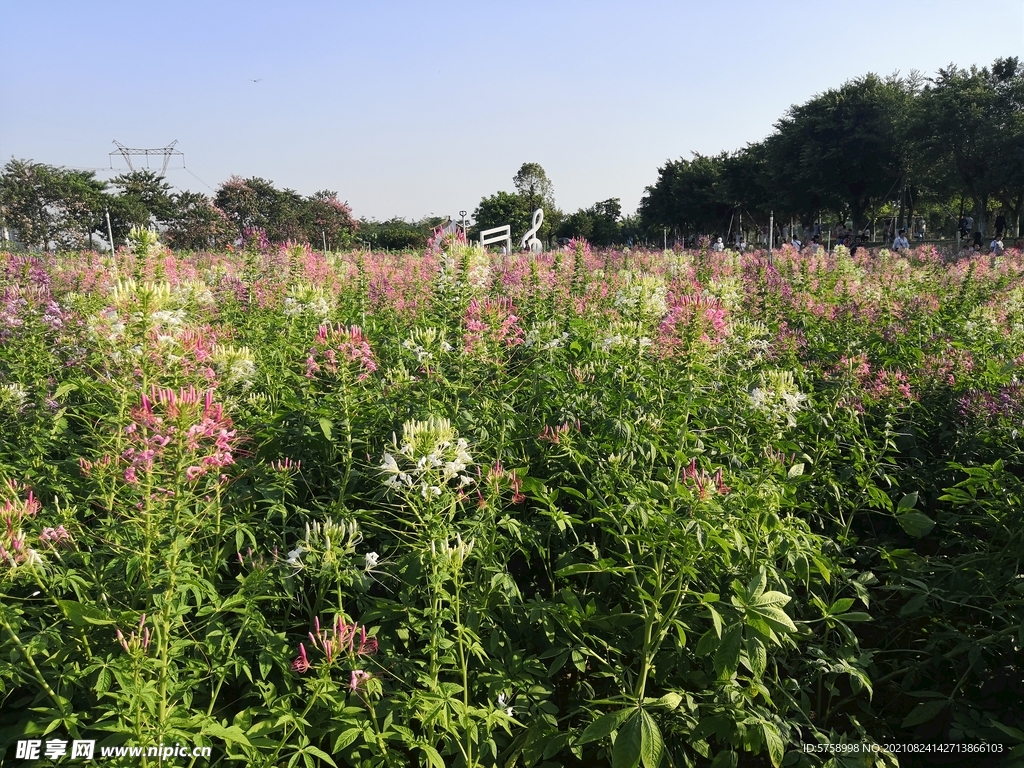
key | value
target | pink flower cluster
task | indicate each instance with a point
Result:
(692, 317)
(138, 641)
(186, 422)
(876, 384)
(499, 477)
(14, 549)
(490, 325)
(341, 640)
(337, 347)
(703, 482)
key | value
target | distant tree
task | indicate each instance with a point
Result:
(256, 203)
(600, 223)
(143, 199)
(847, 147)
(970, 126)
(533, 185)
(194, 223)
(46, 204)
(503, 208)
(328, 218)
(689, 197)
(398, 234)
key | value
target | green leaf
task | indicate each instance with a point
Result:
(652, 746)
(63, 389)
(795, 471)
(434, 759)
(80, 615)
(626, 752)
(604, 725)
(232, 734)
(707, 643)
(326, 426)
(856, 616)
(727, 657)
(772, 599)
(842, 605)
(756, 585)
(907, 502)
(923, 712)
(776, 747)
(757, 656)
(916, 524)
(670, 701)
(725, 760)
(776, 617)
(1010, 731)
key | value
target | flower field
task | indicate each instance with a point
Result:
(459, 509)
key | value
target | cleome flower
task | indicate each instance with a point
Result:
(429, 457)
(778, 397)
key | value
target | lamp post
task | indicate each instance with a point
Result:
(462, 217)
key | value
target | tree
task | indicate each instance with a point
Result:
(194, 223)
(144, 200)
(256, 203)
(847, 147)
(533, 185)
(46, 204)
(600, 223)
(689, 196)
(327, 218)
(503, 208)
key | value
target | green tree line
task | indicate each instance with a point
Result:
(53, 207)
(944, 148)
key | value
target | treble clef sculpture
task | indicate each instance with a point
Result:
(529, 239)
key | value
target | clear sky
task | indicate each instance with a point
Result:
(417, 108)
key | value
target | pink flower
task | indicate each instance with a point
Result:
(301, 663)
(358, 679)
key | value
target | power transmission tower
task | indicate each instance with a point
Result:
(129, 152)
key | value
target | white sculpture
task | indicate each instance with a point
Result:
(529, 239)
(497, 235)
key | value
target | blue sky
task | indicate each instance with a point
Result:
(410, 109)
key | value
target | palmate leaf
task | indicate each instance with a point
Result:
(727, 657)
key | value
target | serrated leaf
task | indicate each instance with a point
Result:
(652, 746)
(916, 524)
(776, 617)
(757, 656)
(776, 747)
(434, 759)
(232, 734)
(772, 599)
(727, 657)
(626, 752)
(669, 701)
(756, 585)
(604, 725)
(924, 712)
(707, 643)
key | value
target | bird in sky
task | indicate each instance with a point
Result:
(256, 80)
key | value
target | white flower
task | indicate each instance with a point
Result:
(293, 557)
(372, 558)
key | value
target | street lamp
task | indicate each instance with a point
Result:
(462, 216)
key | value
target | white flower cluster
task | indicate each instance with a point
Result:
(642, 296)
(544, 335)
(729, 292)
(623, 336)
(424, 343)
(304, 299)
(429, 458)
(235, 365)
(12, 398)
(778, 397)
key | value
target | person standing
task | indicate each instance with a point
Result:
(1000, 225)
